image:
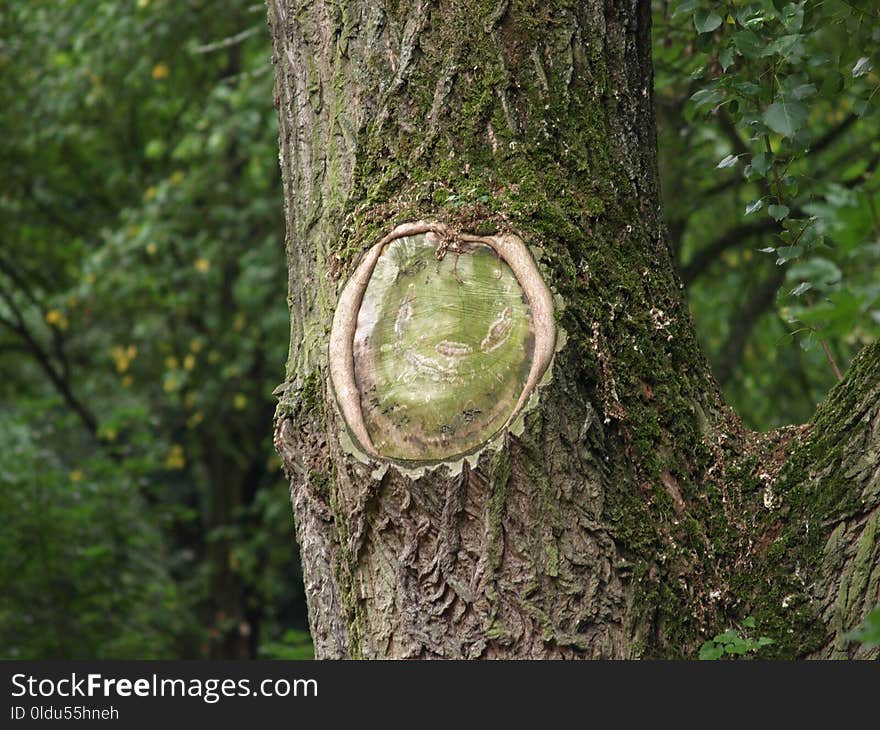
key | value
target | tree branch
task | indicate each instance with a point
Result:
(742, 324)
(230, 41)
(704, 258)
(62, 385)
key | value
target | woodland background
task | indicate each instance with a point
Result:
(143, 323)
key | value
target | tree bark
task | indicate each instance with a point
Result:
(634, 516)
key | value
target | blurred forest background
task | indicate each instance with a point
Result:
(143, 323)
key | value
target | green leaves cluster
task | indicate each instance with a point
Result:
(768, 114)
(869, 633)
(142, 331)
(79, 562)
(731, 645)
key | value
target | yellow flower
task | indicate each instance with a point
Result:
(195, 419)
(123, 356)
(202, 265)
(170, 385)
(171, 362)
(56, 318)
(196, 345)
(176, 177)
(76, 475)
(175, 458)
(150, 193)
(161, 71)
(189, 362)
(240, 401)
(213, 357)
(152, 248)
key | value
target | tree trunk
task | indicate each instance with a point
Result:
(632, 515)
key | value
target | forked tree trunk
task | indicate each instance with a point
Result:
(633, 516)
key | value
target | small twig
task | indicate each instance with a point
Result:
(230, 41)
(830, 358)
(825, 348)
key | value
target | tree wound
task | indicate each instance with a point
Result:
(435, 348)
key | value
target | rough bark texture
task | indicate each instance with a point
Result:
(634, 516)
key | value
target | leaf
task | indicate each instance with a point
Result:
(686, 6)
(769, 249)
(793, 16)
(819, 271)
(728, 161)
(707, 97)
(747, 89)
(790, 47)
(752, 14)
(765, 641)
(778, 212)
(862, 108)
(862, 67)
(869, 632)
(737, 647)
(760, 164)
(725, 58)
(785, 117)
(749, 44)
(787, 253)
(804, 286)
(705, 21)
(804, 91)
(754, 206)
(749, 622)
(710, 651)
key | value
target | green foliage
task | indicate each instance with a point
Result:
(76, 559)
(869, 633)
(295, 644)
(142, 331)
(731, 644)
(769, 158)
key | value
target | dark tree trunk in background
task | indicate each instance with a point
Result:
(635, 516)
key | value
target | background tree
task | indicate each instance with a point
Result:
(140, 335)
(768, 119)
(635, 515)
